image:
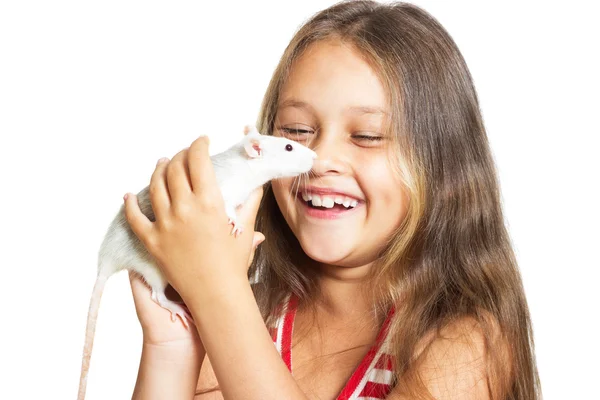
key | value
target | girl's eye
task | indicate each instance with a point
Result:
(299, 134)
(296, 134)
(295, 131)
(368, 138)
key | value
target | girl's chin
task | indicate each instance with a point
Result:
(328, 250)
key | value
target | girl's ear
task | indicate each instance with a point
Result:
(253, 147)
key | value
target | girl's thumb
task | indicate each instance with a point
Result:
(258, 239)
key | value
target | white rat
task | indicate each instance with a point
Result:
(242, 168)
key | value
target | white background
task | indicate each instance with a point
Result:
(93, 93)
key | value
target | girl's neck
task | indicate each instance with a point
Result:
(342, 295)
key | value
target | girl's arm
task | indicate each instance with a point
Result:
(167, 372)
(171, 354)
(243, 357)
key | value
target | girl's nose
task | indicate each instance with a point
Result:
(330, 158)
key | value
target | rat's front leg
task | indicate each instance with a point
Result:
(231, 214)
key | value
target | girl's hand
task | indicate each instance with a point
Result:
(191, 238)
(157, 326)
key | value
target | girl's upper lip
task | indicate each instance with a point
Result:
(326, 191)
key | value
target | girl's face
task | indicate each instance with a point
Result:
(334, 103)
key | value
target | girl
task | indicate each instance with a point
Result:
(387, 273)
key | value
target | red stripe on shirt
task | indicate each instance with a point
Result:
(377, 390)
(288, 326)
(385, 362)
(359, 373)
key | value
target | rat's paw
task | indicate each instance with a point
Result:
(176, 309)
(237, 230)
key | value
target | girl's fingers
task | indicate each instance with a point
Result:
(142, 294)
(202, 174)
(147, 310)
(158, 190)
(178, 179)
(138, 288)
(139, 223)
(248, 210)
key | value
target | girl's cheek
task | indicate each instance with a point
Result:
(282, 187)
(278, 185)
(283, 196)
(381, 186)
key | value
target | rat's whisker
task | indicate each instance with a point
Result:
(301, 184)
(317, 177)
(307, 178)
(291, 198)
(298, 181)
(295, 187)
(303, 181)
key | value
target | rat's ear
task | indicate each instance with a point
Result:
(250, 130)
(253, 147)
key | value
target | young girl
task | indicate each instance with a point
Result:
(387, 273)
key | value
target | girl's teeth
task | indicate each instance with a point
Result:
(329, 201)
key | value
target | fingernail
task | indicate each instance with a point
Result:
(162, 160)
(126, 196)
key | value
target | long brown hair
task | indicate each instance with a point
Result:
(451, 257)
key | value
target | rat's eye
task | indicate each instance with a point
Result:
(289, 147)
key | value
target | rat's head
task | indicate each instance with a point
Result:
(280, 157)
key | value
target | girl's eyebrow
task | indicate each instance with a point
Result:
(367, 110)
(354, 109)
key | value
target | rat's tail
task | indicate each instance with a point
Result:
(89, 333)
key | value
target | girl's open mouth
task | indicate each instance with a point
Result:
(327, 207)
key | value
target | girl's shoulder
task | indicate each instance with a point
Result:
(453, 363)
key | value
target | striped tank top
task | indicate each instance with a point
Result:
(372, 378)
